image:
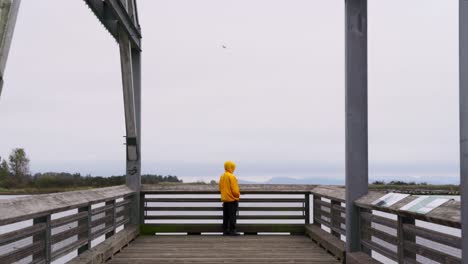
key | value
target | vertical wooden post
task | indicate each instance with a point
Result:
(307, 208)
(85, 222)
(131, 80)
(463, 61)
(142, 208)
(356, 116)
(402, 237)
(365, 225)
(45, 237)
(334, 215)
(317, 209)
(135, 183)
(113, 213)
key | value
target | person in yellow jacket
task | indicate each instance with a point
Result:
(230, 195)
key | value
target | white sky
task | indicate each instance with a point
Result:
(273, 100)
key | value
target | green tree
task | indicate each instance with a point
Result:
(19, 165)
(4, 173)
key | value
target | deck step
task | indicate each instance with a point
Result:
(332, 244)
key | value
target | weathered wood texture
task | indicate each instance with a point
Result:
(214, 188)
(329, 242)
(51, 238)
(360, 258)
(108, 248)
(335, 193)
(330, 213)
(391, 238)
(447, 214)
(398, 239)
(18, 209)
(222, 249)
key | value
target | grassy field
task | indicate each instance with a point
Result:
(417, 188)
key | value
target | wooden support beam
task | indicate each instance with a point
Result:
(131, 81)
(356, 116)
(8, 14)
(463, 46)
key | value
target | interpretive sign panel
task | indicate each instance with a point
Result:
(389, 199)
(424, 204)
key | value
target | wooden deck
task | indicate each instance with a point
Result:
(223, 249)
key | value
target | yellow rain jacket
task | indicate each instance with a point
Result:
(228, 183)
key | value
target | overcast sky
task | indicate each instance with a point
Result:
(272, 100)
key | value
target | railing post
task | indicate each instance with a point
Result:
(402, 236)
(113, 218)
(87, 222)
(45, 237)
(363, 225)
(142, 207)
(307, 208)
(333, 218)
(317, 209)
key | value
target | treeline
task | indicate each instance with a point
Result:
(401, 183)
(15, 173)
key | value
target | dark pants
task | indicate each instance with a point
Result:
(229, 216)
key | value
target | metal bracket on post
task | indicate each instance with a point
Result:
(356, 117)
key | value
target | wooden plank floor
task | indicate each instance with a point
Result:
(223, 249)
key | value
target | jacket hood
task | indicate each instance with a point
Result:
(229, 166)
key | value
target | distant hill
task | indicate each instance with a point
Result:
(286, 180)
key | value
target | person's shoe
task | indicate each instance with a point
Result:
(234, 234)
(225, 233)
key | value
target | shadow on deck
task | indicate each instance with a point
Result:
(211, 249)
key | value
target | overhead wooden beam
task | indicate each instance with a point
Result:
(8, 14)
(112, 13)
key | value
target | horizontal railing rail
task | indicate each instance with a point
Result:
(43, 228)
(179, 208)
